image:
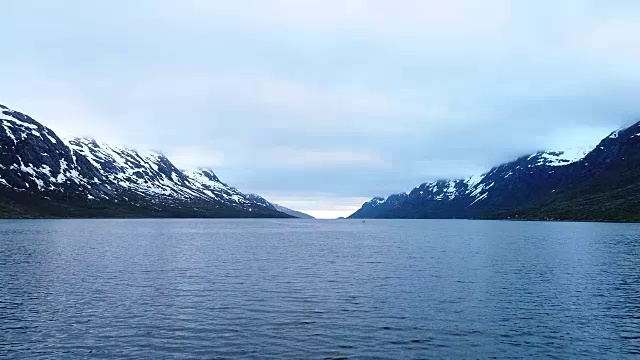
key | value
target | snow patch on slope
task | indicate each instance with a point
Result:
(562, 157)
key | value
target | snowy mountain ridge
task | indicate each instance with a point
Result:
(523, 183)
(475, 186)
(37, 165)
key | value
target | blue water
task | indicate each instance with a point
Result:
(318, 289)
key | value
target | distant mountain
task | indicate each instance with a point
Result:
(43, 176)
(602, 183)
(293, 213)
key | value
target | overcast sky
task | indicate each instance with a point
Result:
(322, 104)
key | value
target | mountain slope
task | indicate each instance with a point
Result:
(599, 183)
(286, 210)
(605, 187)
(294, 213)
(42, 176)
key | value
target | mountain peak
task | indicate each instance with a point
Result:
(208, 174)
(97, 144)
(12, 118)
(377, 201)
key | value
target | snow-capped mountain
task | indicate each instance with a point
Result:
(153, 175)
(42, 175)
(515, 189)
(34, 158)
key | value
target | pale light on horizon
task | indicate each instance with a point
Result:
(321, 207)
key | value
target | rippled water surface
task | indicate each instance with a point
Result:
(318, 289)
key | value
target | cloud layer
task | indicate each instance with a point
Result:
(330, 101)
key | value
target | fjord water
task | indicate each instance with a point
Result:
(318, 289)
